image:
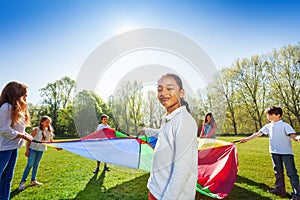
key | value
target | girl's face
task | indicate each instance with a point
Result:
(46, 123)
(208, 118)
(169, 93)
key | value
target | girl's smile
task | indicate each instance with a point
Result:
(169, 93)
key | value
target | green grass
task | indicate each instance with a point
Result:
(255, 174)
(68, 176)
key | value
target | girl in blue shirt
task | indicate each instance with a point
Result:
(209, 126)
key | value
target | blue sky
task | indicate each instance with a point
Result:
(44, 40)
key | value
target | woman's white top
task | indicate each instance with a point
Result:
(8, 133)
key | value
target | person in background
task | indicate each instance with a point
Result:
(34, 150)
(102, 125)
(174, 168)
(14, 118)
(280, 134)
(209, 126)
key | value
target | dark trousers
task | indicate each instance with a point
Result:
(7, 165)
(289, 163)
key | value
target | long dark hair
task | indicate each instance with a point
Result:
(212, 120)
(12, 94)
(183, 102)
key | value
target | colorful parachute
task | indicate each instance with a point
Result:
(217, 167)
(217, 163)
(113, 147)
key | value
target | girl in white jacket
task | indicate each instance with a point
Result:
(174, 169)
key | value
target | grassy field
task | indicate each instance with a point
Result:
(68, 176)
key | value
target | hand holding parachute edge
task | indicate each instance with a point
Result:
(243, 140)
(141, 132)
(297, 138)
(57, 148)
(36, 141)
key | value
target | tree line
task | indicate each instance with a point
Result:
(251, 85)
(237, 97)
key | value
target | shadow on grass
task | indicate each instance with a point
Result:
(135, 189)
(262, 186)
(14, 193)
(241, 193)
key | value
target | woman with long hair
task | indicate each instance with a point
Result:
(14, 118)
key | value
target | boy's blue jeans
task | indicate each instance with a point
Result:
(34, 159)
(289, 162)
(7, 165)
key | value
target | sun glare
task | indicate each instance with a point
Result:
(123, 28)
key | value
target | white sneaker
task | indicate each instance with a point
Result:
(35, 183)
(22, 186)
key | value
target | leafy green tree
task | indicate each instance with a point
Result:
(126, 107)
(198, 106)
(217, 101)
(87, 109)
(284, 69)
(65, 121)
(230, 93)
(135, 105)
(152, 110)
(55, 96)
(120, 108)
(251, 78)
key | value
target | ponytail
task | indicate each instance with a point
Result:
(186, 104)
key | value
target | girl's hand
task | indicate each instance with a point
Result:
(26, 137)
(27, 152)
(29, 137)
(141, 132)
(243, 140)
